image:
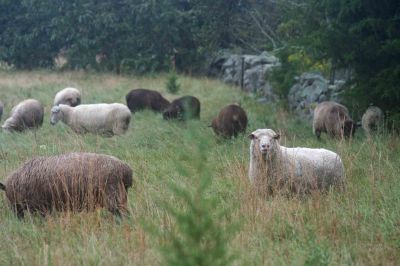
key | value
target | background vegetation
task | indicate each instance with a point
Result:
(186, 178)
(145, 36)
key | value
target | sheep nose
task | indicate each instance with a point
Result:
(265, 146)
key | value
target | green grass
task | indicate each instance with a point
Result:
(358, 226)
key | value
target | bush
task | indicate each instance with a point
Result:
(172, 84)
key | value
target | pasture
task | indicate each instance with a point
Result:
(360, 225)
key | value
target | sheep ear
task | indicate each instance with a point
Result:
(252, 136)
(277, 136)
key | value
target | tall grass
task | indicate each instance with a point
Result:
(357, 226)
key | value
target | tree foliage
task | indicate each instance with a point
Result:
(361, 34)
(138, 35)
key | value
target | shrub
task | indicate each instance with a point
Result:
(172, 84)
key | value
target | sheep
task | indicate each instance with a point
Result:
(333, 119)
(75, 182)
(140, 99)
(231, 121)
(28, 114)
(104, 119)
(68, 96)
(292, 170)
(1, 109)
(372, 119)
(184, 108)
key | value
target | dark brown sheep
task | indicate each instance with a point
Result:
(73, 181)
(231, 121)
(140, 99)
(28, 114)
(184, 108)
(333, 119)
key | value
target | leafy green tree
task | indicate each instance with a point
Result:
(359, 34)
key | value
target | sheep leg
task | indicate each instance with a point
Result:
(19, 211)
(116, 201)
(318, 133)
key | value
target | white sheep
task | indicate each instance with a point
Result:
(298, 170)
(68, 96)
(372, 120)
(27, 114)
(104, 119)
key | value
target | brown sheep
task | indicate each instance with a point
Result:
(333, 119)
(72, 181)
(231, 121)
(27, 114)
(184, 108)
(140, 99)
(372, 120)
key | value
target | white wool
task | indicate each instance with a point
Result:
(105, 119)
(372, 119)
(303, 169)
(28, 113)
(66, 95)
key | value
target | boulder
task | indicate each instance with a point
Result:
(310, 89)
(228, 67)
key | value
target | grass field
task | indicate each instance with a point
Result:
(358, 226)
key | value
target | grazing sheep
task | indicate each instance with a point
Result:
(333, 119)
(231, 121)
(184, 108)
(1, 109)
(104, 119)
(299, 170)
(27, 114)
(68, 96)
(372, 119)
(140, 99)
(73, 181)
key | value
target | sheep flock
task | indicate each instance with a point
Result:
(80, 181)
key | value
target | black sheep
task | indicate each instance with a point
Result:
(139, 99)
(184, 108)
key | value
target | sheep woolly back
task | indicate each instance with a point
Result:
(73, 181)
(25, 115)
(372, 119)
(231, 121)
(105, 119)
(300, 170)
(68, 96)
(333, 119)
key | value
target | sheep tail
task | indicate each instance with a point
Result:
(2, 186)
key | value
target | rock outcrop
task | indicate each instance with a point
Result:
(250, 72)
(311, 89)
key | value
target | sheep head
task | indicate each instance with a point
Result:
(10, 124)
(173, 111)
(264, 141)
(56, 114)
(348, 128)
